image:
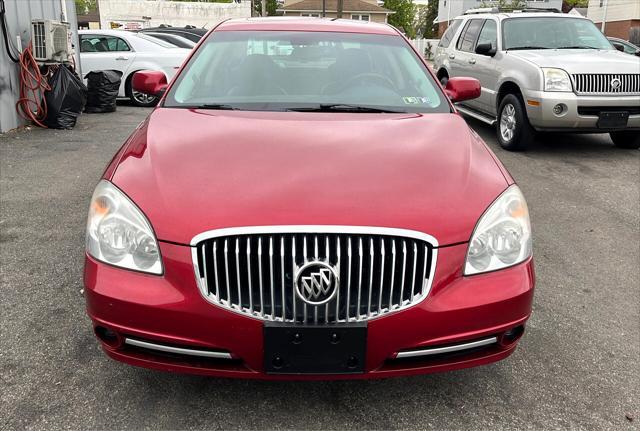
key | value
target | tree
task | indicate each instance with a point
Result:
(83, 7)
(505, 4)
(425, 26)
(272, 5)
(404, 16)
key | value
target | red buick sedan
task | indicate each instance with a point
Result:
(305, 202)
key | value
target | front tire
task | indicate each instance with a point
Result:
(513, 128)
(626, 140)
(140, 99)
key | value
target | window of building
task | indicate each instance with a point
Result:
(360, 17)
(312, 15)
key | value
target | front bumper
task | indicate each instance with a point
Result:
(169, 310)
(540, 106)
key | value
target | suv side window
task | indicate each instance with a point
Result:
(489, 34)
(467, 39)
(445, 41)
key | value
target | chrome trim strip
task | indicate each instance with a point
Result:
(311, 229)
(477, 116)
(179, 350)
(363, 230)
(447, 349)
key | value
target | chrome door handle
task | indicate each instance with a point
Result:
(122, 58)
(472, 61)
(451, 56)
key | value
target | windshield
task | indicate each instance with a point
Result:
(273, 70)
(552, 33)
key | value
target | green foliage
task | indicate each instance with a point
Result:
(207, 1)
(505, 4)
(84, 7)
(404, 16)
(574, 3)
(272, 5)
(425, 26)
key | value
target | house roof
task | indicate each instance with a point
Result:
(332, 6)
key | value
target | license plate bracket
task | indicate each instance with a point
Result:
(315, 349)
(613, 119)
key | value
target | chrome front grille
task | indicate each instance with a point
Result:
(252, 270)
(607, 83)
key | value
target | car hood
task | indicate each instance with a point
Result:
(191, 171)
(582, 60)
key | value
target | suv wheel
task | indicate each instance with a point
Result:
(628, 140)
(513, 128)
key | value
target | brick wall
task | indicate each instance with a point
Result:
(442, 27)
(621, 29)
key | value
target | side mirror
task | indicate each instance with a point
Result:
(618, 47)
(486, 49)
(151, 82)
(459, 89)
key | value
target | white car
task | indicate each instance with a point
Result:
(129, 52)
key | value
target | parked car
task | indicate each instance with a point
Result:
(624, 46)
(190, 32)
(543, 71)
(173, 39)
(129, 52)
(322, 213)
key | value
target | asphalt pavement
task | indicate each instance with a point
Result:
(576, 367)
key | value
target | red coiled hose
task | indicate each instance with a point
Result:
(31, 105)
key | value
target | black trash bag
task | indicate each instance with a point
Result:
(65, 100)
(103, 88)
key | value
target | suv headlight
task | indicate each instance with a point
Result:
(502, 237)
(119, 234)
(556, 79)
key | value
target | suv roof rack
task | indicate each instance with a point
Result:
(507, 9)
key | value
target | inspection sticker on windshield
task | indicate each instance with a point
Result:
(410, 100)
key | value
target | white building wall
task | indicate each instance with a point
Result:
(151, 13)
(617, 10)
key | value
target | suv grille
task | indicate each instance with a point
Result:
(607, 83)
(252, 272)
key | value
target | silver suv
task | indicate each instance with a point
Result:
(542, 71)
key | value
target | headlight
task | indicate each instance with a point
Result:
(119, 234)
(502, 237)
(556, 80)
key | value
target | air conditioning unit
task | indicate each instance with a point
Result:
(50, 40)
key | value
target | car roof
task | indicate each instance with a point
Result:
(306, 24)
(170, 29)
(529, 14)
(108, 32)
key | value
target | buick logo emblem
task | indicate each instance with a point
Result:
(615, 83)
(317, 282)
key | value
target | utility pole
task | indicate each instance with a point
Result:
(324, 8)
(264, 7)
(339, 11)
(604, 18)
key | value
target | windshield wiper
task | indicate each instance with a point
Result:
(215, 106)
(342, 107)
(526, 47)
(577, 47)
